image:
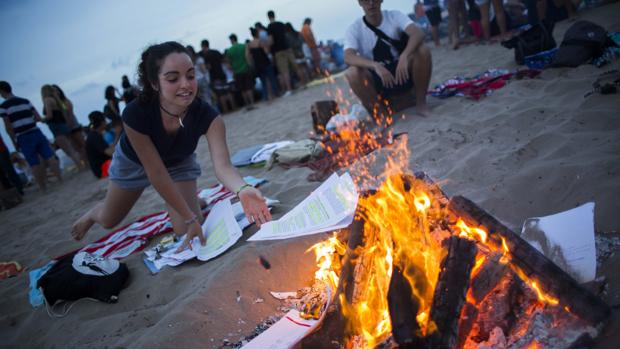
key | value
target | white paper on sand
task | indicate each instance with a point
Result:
(221, 230)
(283, 295)
(567, 239)
(331, 206)
(288, 331)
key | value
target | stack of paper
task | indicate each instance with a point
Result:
(331, 206)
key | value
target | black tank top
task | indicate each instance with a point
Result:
(261, 61)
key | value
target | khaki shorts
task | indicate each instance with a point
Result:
(285, 60)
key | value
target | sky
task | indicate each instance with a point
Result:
(85, 45)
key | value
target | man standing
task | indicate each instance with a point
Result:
(282, 53)
(306, 32)
(382, 64)
(213, 62)
(236, 56)
(20, 120)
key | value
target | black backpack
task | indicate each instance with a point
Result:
(582, 41)
(83, 275)
(530, 42)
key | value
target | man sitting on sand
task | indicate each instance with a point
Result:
(379, 66)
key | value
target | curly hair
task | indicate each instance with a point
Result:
(150, 65)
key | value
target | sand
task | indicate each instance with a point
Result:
(533, 148)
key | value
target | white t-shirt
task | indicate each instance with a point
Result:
(360, 38)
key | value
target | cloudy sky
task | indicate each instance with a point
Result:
(85, 45)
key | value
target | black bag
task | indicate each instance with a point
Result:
(399, 44)
(530, 42)
(582, 41)
(83, 275)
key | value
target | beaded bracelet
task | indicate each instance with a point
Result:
(246, 185)
(192, 220)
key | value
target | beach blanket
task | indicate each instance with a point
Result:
(480, 85)
(133, 237)
(9, 269)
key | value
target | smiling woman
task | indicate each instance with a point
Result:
(161, 131)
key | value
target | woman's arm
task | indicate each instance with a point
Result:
(251, 199)
(112, 106)
(49, 105)
(161, 181)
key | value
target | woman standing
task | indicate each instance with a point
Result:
(111, 109)
(257, 57)
(160, 134)
(54, 111)
(76, 133)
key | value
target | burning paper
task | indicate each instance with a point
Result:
(567, 239)
(331, 206)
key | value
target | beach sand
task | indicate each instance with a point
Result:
(533, 148)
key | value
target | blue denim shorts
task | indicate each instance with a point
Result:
(130, 175)
(32, 144)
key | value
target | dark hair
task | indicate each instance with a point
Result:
(125, 82)
(308, 20)
(254, 32)
(61, 94)
(150, 64)
(96, 119)
(259, 25)
(5, 87)
(110, 92)
(271, 14)
(204, 43)
(290, 29)
(233, 37)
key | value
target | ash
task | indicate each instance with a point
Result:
(309, 301)
(606, 247)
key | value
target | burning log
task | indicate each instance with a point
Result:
(534, 264)
(490, 274)
(450, 291)
(403, 309)
(332, 330)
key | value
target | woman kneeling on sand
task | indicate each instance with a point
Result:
(161, 131)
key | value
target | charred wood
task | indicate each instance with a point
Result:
(553, 279)
(450, 291)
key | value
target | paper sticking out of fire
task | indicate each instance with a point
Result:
(331, 206)
(567, 239)
(309, 310)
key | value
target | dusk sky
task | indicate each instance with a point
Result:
(84, 46)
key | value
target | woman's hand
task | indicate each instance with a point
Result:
(193, 229)
(254, 206)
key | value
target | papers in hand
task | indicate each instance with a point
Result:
(221, 231)
(567, 239)
(331, 206)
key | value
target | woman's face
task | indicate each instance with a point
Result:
(177, 83)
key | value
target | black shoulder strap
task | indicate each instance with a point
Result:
(381, 34)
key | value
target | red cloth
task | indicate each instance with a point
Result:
(105, 167)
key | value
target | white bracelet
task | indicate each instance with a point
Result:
(192, 220)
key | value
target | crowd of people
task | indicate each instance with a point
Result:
(480, 20)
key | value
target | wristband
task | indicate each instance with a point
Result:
(192, 220)
(246, 185)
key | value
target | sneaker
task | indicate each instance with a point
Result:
(287, 93)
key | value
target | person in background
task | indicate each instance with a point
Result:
(164, 156)
(202, 75)
(98, 150)
(213, 62)
(236, 57)
(433, 13)
(374, 60)
(296, 43)
(130, 92)
(282, 53)
(111, 108)
(20, 120)
(262, 66)
(76, 134)
(54, 115)
(500, 15)
(9, 177)
(308, 35)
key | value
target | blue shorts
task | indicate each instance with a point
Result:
(130, 175)
(34, 144)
